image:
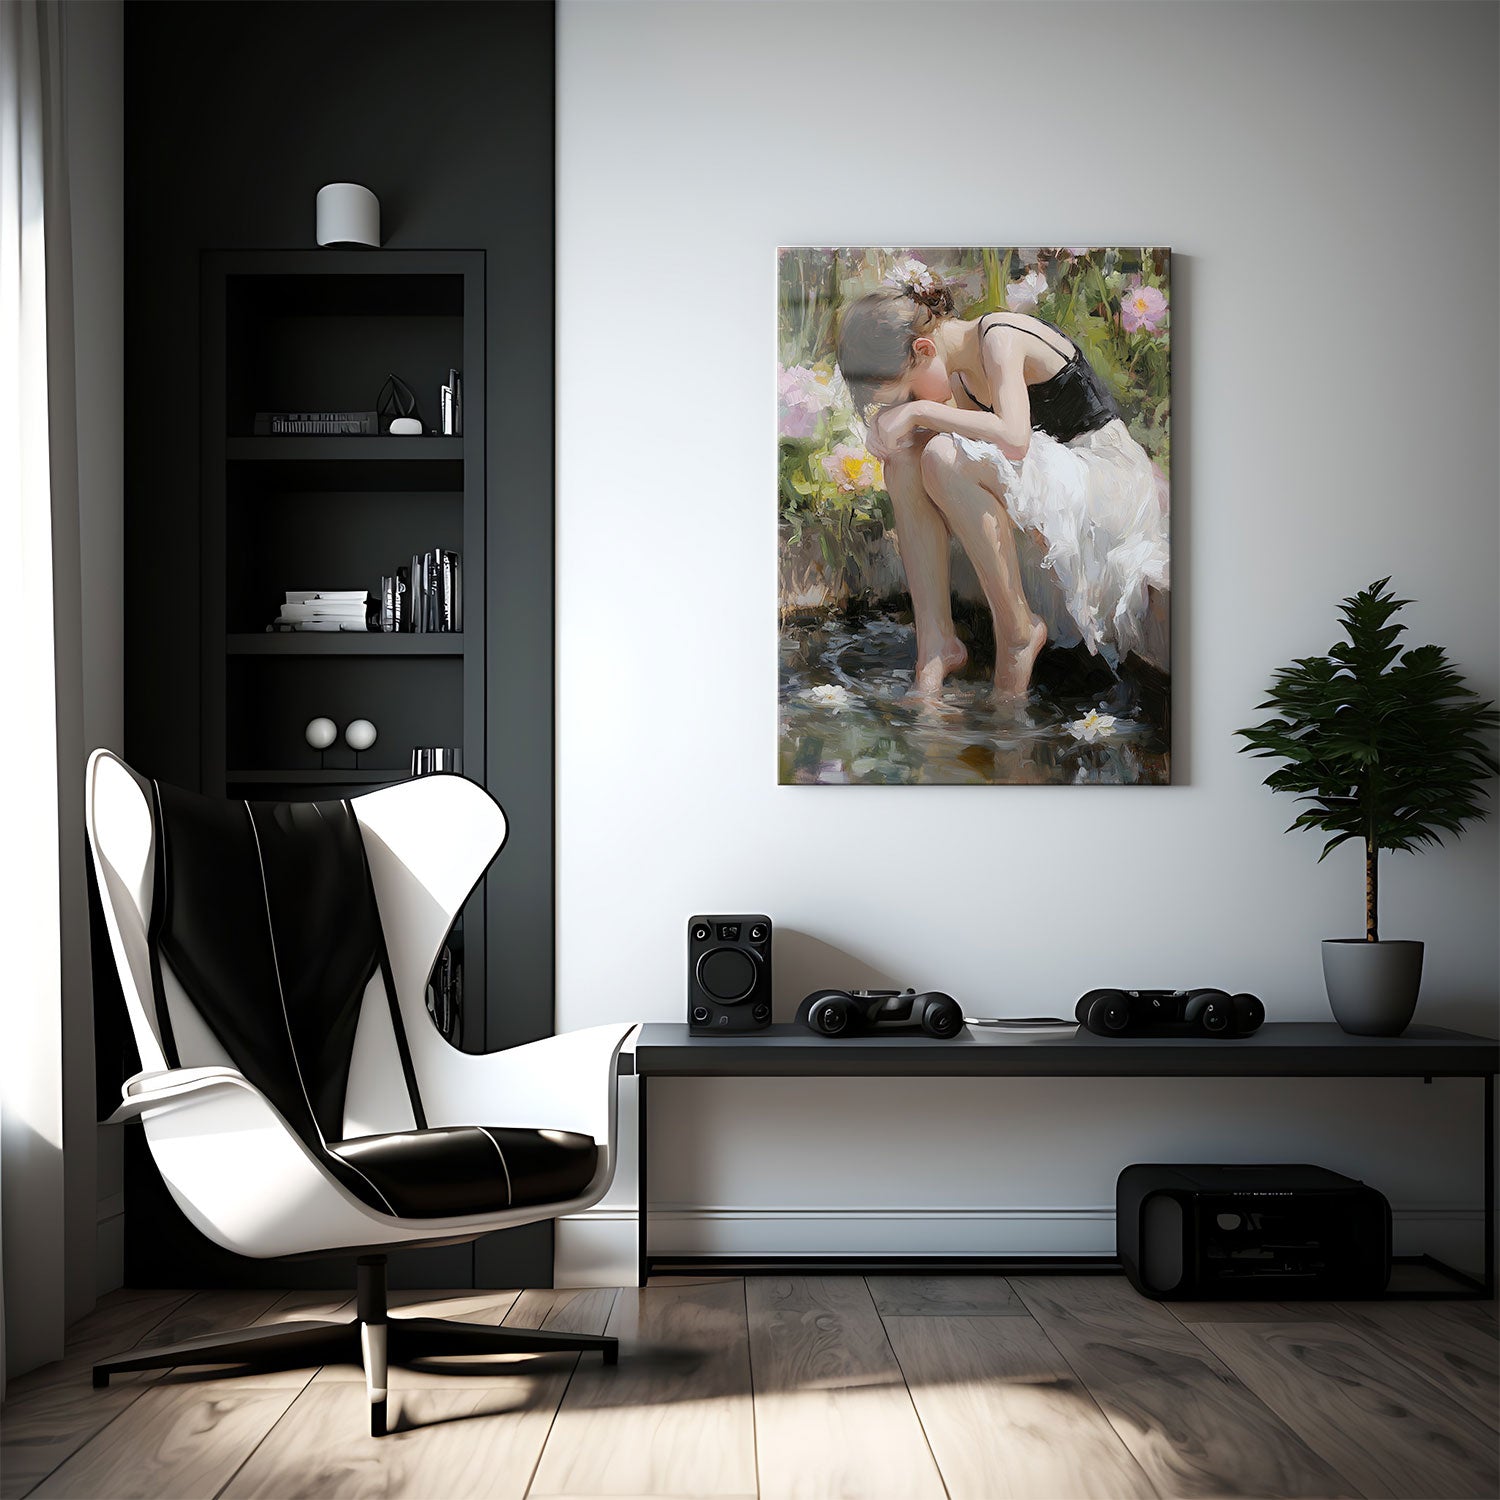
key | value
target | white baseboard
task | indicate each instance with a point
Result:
(598, 1247)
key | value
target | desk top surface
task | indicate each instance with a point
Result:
(1280, 1049)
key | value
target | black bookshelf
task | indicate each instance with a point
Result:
(321, 330)
(466, 193)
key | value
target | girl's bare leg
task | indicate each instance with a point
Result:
(962, 490)
(923, 539)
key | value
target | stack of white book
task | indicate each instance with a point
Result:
(322, 609)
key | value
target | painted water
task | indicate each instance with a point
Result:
(847, 715)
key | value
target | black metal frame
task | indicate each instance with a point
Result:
(1472, 1287)
(285, 1346)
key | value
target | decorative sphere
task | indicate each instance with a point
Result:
(321, 733)
(360, 735)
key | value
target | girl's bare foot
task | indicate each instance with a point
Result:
(932, 672)
(1013, 665)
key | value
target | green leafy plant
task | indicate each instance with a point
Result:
(1389, 746)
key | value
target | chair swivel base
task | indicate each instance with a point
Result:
(370, 1339)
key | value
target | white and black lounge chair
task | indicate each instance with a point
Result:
(296, 1096)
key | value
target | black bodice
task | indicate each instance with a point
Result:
(1065, 405)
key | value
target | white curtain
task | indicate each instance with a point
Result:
(44, 952)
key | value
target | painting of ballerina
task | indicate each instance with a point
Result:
(974, 451)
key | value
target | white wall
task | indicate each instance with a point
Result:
(1326, 175)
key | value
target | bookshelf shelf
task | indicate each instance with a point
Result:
(297, 448)
(313, 466)
(342, 643)
(316, 776)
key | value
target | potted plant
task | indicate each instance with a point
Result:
(1390, 747)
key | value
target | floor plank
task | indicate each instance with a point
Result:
(478, 1439)
(476, 1435)
(1191, 1313)
(212, 1312)
(1386, 1427)
(1006, 1416)
(1190, 1423)
(462, 1307)
(564, 1310)
(1459, 1357)
(1477, 1314)
(674, 1417)
(937, 1296)
(45, 1428)
(179, 1441)
(54, 1412)
(290, 1307)
(833, 1416)
(120, 1318)
(120, 1321)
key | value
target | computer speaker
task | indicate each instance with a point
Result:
(729, 974)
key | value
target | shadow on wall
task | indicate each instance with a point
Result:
(803, 963)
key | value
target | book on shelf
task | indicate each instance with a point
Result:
(451, 400)
(425, 596)
(435, 592)
(316, 423)
(332, 609)
(314, 610)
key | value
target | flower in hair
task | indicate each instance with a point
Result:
(913, 277)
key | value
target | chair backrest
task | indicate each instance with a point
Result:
(346, 1059)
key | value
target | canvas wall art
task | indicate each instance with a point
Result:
(974, 459)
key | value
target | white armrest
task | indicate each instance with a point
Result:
(153, 1090)
(240, 1173)
(565, 1082)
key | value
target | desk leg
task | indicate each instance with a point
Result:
(1489, 1185)
(642, 1214)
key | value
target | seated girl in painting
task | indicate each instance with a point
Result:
(986, 427)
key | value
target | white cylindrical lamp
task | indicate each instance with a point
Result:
(348, 214)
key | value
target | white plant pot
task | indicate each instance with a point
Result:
(1372, 987)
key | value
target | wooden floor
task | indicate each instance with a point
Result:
(971, 1387)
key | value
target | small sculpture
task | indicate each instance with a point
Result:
(359, 735)
(320, 734)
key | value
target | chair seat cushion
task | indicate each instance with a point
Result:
(469, 1169)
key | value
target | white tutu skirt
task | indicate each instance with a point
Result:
(1100, 507)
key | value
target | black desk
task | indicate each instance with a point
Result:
(1280, 1049)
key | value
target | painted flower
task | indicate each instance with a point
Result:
(803, 394)
(1078, 249)
(1092, 726)
(852, 469)
(912, 273)
(1023, 295)
(831, 696)
(966, 286)
(1142, 307)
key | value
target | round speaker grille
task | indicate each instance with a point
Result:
(728, 974)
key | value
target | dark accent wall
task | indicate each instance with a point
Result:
(235, 116)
